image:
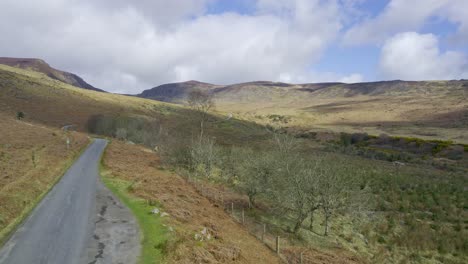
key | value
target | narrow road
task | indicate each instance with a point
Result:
(58, 229)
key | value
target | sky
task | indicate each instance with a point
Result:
(129, 46)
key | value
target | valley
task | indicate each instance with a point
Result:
(394, 164)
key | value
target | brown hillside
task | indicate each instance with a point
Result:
(190, 212)
(175, 92)
(42, 67)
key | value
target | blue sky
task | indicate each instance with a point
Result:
(127, 47)
(365, 58)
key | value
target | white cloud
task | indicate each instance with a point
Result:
(353, 78)
(319, 77)
(457, 13)
(402, 16)
(413, 56)
(128, 46)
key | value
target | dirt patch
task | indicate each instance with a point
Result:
(204, 233)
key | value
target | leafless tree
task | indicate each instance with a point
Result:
(202, 102)
(340, 189)
(293, 181)
(313, 192)
(203, 158)
(255, 174)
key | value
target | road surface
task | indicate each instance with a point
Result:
(59, 228)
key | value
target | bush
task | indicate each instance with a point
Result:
(19, 115)
(383, 139)
(121, 134)
(359, 137)
(137, 130)
(345, 139)
(454, 153)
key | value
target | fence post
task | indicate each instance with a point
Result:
(301, 258)
(264, 231)
(232, 209)
(278, 245)
(243, 216)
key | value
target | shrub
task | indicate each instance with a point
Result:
(454, 153)
(19, 115)
(121, 133)
(345, 139)
(383, 139)
(381, 240)
(359, 137)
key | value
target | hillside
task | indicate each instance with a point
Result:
(391, 107)
(42, 67)
(175, 92)
(49, 104)
(151, 140)
(32, 158)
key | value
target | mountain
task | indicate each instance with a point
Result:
(175, 92)
(41, 66)
(261, 91)
(391, 107)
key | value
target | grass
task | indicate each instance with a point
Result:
(189, 212)
(11, 228)
(428, 110)
(400, 195)
(27, 179)
(152, 229)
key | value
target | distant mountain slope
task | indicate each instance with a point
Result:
(421, 108)
(270, 91)
(41, 66)
(175, 92)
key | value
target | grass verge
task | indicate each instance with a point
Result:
(9, 230)
(154, 235)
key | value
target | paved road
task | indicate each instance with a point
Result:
(59, 227)
(116, 238)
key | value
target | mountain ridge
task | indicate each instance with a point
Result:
(177, 92)
(42, 66)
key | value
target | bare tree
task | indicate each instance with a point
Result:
(202, 102)
(286, 144)
(313, 192)
(296, 188)
(293, 180)
(255, 174)
(121, 133)
(339, 189)
(203, 158)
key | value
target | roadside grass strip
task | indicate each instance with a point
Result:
(153, 232)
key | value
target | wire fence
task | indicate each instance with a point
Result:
(238, 210)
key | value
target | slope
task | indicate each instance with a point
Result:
(175, 92)
(50, 103)
(427, 109)
(56, 104)
(42, 67)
